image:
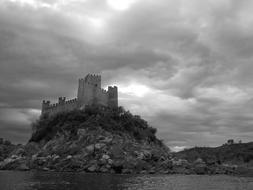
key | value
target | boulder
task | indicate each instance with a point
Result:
(108, 166)
(98, 146)
(69, 157)
(20, 152)
(200, 170)
(23, 167)
(34, 157)
(141, 165)
(90, 148)
(106, 140)
(106, 157)
(181, 170)
(45, 169)
(14, 156)
(102, 161)
(152, 171)
(92, 168)
(40, 161)
(127, 171)
(179, 162)
(13, 164)
(117, 166)
(117, 152)
(104, 169)
(110, 161)
(81, 132)
(55, 157)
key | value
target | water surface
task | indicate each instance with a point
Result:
(12, 180)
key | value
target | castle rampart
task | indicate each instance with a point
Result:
(89, 93)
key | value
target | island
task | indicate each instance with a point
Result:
(91, 133)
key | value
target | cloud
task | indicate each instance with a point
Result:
(185, 66)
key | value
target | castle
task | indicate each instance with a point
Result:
(89, 93)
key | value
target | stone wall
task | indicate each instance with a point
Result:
(61, 106)
(102, 97)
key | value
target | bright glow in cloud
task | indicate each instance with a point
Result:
(25, 2)
(98, 23)
(178, 148)
(120, 5)
(34, 4)
(135, 89)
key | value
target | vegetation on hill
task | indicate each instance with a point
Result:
(116, 121)
(235, 153)
(6, 147)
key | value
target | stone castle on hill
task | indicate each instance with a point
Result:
(89, 93)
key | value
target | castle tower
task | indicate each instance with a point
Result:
(88, 90)
(112, 96)
(45, 105)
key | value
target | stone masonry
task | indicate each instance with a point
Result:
(89, 93)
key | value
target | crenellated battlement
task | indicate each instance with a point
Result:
(62, 105)
(89, 93)
(104, 91)
(93, 80)
(71, 101)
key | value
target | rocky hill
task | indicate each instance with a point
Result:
(106, 141)
(94, 140)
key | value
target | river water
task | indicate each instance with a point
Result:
(12, 180)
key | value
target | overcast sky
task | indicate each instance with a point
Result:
(186, 66)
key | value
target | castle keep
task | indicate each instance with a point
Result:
(89, 93)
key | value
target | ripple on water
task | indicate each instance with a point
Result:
(80, 181)
(190, 182)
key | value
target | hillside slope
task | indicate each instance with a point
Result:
(239, 154)
(94, 140)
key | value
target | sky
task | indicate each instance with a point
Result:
(186, 66)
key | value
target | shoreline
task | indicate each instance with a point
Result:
(122, 174)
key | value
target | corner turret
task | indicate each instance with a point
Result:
(112, 96)
(45, 106)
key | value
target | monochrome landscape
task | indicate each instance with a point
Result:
(126, 92)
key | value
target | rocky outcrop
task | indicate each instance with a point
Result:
(102, 141)
(91, 151)
(103, 152)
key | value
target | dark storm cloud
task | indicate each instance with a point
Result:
(186, 66)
